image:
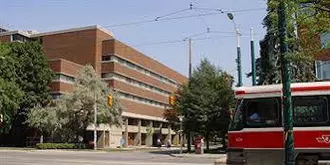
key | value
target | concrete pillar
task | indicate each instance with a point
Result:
(126, 133)
(137, 139)
(160, 135)
(176, 139)
(149, 138)
(169, 135)
(104, 134)
(109, 141)
(100, 140)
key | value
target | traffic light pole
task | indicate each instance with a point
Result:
(286, 80)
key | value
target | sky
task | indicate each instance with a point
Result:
(211, 31)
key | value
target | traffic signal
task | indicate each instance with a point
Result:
(110, 100)
(1, 118)
(172, 100)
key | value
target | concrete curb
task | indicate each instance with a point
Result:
(209, 156)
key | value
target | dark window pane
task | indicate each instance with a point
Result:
(310, 110)
(106, 58)
(262, 112)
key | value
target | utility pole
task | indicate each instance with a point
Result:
(190, 68)
(286, 80)
(95, 122)
(253, 60)
(189, 58)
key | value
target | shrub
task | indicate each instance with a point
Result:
(61, 146)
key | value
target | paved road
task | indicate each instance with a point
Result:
(11, 157)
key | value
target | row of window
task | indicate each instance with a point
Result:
(56, 96)
(128, 97)
(140, 69)
(307, 111)
(19, 38)
(135, 83)
(64, 78)
(141, 100)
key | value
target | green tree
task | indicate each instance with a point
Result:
(205, 102)
(10, 98)
(74, 111)
(33, 73)
(306, 20)
(46, 120)
(24, 67)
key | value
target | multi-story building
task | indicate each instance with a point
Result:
(322, 62)
(143, 84)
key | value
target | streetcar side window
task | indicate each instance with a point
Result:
(262, 113)
(237, 122)
(310, 110)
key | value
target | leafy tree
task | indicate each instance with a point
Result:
(306, 20)
(33, 73)
(45, 119)
(24, 72)
(74, 112)
(10, 97)
(10, 93)
(205, 102)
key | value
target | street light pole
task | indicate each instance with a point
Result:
(286, 80)
(238, 60)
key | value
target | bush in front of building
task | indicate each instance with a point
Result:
(44, 146)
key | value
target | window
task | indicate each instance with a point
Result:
(325, 40)
(64, 78)
(322, 70)
(310, 110)
(113, 58)
(262, 112)
(106, 58)
(237, 122)
(56, 96)
(18, 37)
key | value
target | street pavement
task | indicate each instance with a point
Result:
(58, 157)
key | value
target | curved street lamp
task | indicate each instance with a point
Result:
(238, 60)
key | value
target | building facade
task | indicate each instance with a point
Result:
(143, 84)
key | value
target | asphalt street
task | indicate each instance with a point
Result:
(38, 157)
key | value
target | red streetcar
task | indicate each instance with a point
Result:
(256, 132)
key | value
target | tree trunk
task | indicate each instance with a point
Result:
(188, 141)
(207, 144)
(207, 140)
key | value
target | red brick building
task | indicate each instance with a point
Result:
(143, 84)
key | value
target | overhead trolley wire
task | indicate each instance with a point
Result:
(166, 18)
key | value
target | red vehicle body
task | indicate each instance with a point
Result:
(256, 132)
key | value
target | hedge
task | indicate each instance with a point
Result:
(61, 146)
